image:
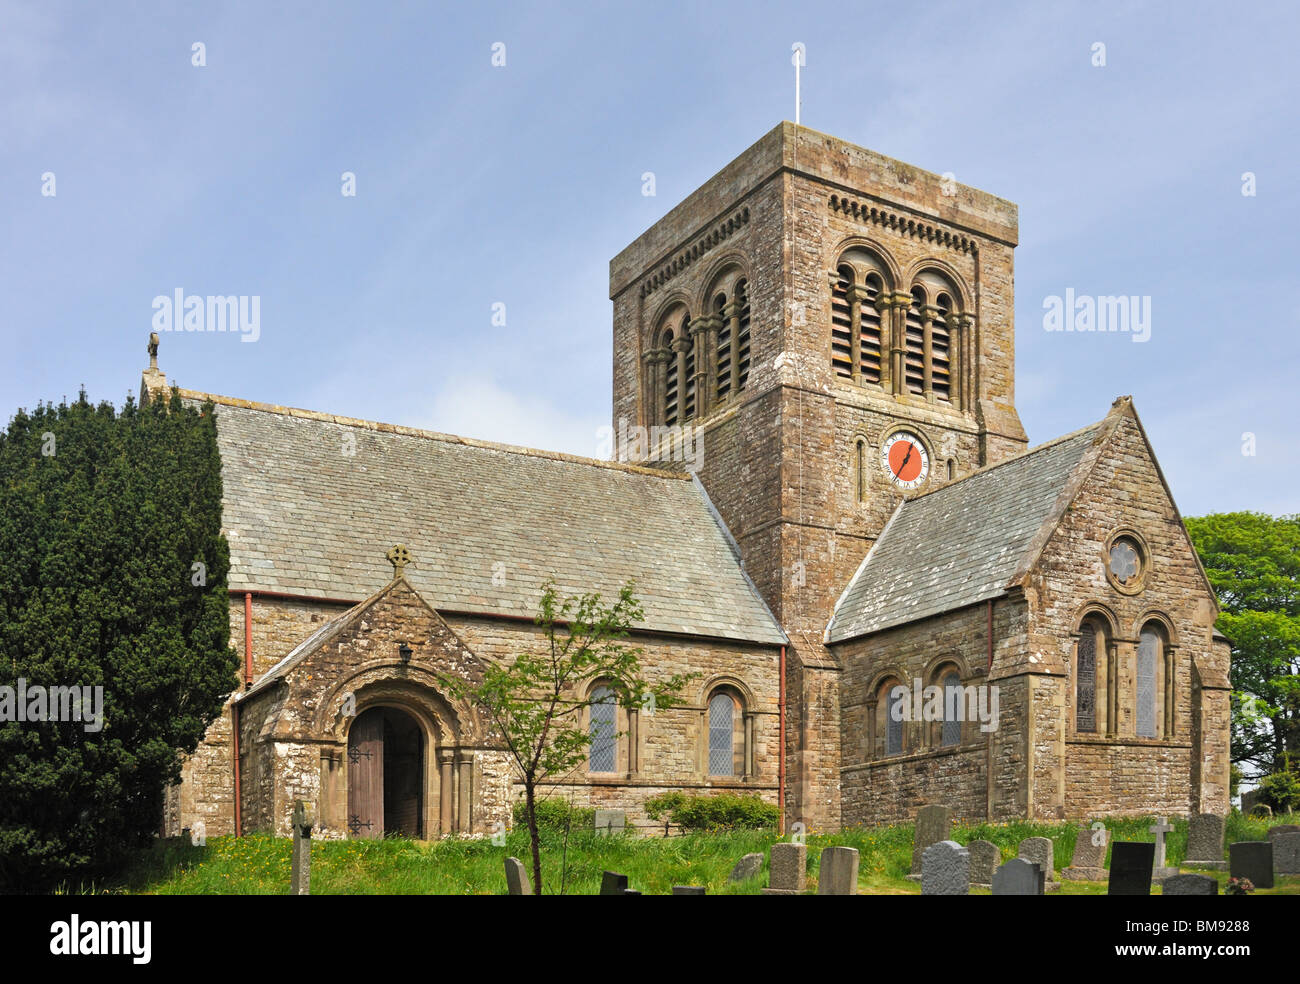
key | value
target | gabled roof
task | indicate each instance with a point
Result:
(967, 541)
(313, 502)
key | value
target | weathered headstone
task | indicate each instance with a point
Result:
(1018, 877)
(1039, 851)
(304, 818)
(984, 859)
(517, 882)
(1205, 842)
(1088, 863)
(1282, 828)
(1160, 871)
(839, 871)
(787, 870)
(1286, 854)
(612, 883)
(933, 824)
(747, 867)
(945, 869)
(690, 890)
(1253, 860)
(1261, 810)
(1130, 868)
(1190, 885)
(608, 822)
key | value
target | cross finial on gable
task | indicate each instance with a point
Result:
(399, 557)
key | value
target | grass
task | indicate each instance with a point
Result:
(259, 864)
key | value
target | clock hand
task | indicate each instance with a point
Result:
(903, 464)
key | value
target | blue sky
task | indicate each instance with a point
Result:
(479, 185)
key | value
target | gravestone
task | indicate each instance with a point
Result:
(945, 869)
(690, 890)
(517, 882)
(839, 871)
(1282, 828)
(933, 824)
(1253, 860)
(630, 891)
(1160, 871)
(1088, 863)
(612, 883)
(1130, 868)
(1286, 854)
(1018, 877)
(1039, 851)
(747, 867)
(1205, 842)
(787, 869)
(608, 822)
(1190, 885)
(304, 818)
(984, 858)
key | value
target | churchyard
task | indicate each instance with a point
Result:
(980, 856)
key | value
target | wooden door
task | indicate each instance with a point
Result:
(366, 775)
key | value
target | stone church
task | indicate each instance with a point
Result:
(888, 598)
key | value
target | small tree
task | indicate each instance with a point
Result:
(537, 702)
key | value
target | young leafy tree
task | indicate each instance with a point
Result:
(1253, 561)
(112, 574)
(537, 702)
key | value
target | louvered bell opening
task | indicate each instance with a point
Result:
(940, 351)
(841, 330)
(670, 384)
(723, 381)
(870, 352)
(742, 334)
(688, 384)
(914, 366)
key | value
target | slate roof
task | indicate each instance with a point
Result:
(962, 543)
(304, 517)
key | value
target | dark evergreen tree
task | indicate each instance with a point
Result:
(112, 574)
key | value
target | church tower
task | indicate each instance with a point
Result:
(835, 329)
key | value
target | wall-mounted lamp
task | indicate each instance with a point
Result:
(404, 651)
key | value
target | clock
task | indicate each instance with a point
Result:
(905, 460)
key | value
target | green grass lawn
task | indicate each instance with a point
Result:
(259, 865)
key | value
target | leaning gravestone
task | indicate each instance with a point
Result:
(787, 869)
(1286, 854)
(612, 883)
(933, 824)
(838, 874)
(1160, 871)
(1190, 885)
(747, 867)
(690, 890)
(1253, 860)
(1018, 877)
(304, 818)
(608, 822)
(984, 858)
(1205, 842)
(1088, 863)
(945, 869)
(517, 882)
(1130, 868)
(1039, 851)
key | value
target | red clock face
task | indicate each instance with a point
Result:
(905, 459)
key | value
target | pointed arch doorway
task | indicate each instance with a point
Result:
(386, 773)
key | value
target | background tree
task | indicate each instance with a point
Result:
(112, 574)
(1253, 561)
(538, 702)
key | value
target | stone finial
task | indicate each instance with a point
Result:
(153, 350)
(399, 556)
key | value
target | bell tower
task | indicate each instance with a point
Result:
(835, 329)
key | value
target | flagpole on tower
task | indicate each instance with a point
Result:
(798, 60)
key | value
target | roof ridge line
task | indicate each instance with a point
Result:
(984, 469)
(430, 435)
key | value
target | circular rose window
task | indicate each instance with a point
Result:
(1124, 563)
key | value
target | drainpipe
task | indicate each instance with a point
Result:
(234, 731)
(990, 635)
(248, 638)
(988, 738)
(780, 758)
